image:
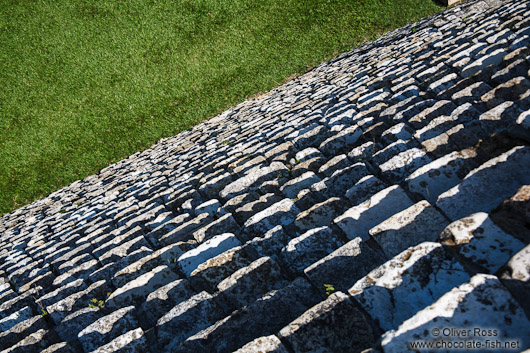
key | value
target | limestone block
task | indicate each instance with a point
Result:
(519, 266)
(211, 272)
(364, 189)
(190, 260)
(438, 176)
(291, 188)
(276, 309)
(281, 213)
(224, 224)
(263, 344)
(407, 283)
(480, 303)
(319, 215)
(10, 306)
(478, 240)
(187, 318)
(412, 226)
(59, 310)
(358, 220)
(166, 226)
(333, 325)
(486, 186)
(138, 289)
(75, 322)
(251, 282)
(165, 256)
(18, 316)
(346, 137)
(107, 328)
(251, 179)
(513, 215)
(123, 250)
(474, 67)
(308, 248)
(399, 167)
(184, 232)
(106, 272)
(21, 330)
(271, 243)
(209, 207)
(162, 300)
(61, 293)
(341, 180)
(132, 341)
(34, 343)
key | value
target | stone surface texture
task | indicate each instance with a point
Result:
(356, 207)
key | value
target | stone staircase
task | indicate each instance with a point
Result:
(363, 206)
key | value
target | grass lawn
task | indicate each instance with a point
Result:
(84, 83)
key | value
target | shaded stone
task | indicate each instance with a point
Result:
(358, 220)
(486, 186)
(482, 301)
(107, 328)
(513, 215)
(333, 325)
(408, 283)
(308, 248)
(478, 240)
(416, 224)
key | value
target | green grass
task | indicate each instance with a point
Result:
(84, 83)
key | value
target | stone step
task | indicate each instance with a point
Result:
(21, 330)
(132, 341)
(417, 224)
(396, 290)
(190, 260)
(211, 272)
(281, 213)
(186, 319)
(107, 328)
(478, 241)
(481, 301)
(106, 272)
(358, 220)
(249, 283)
(162, 300)
(333, 325)
(263, 344)
(37, 342)
(136, 291)
(486, 186)
(79, 300)
(265, 316)
(304, 250)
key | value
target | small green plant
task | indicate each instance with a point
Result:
(414, 30)
(94, 303)
(294, 199)
(329, 288)
(226, 142)
(62, 210)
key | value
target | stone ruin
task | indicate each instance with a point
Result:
(380, 200)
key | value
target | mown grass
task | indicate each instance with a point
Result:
(84, 83)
